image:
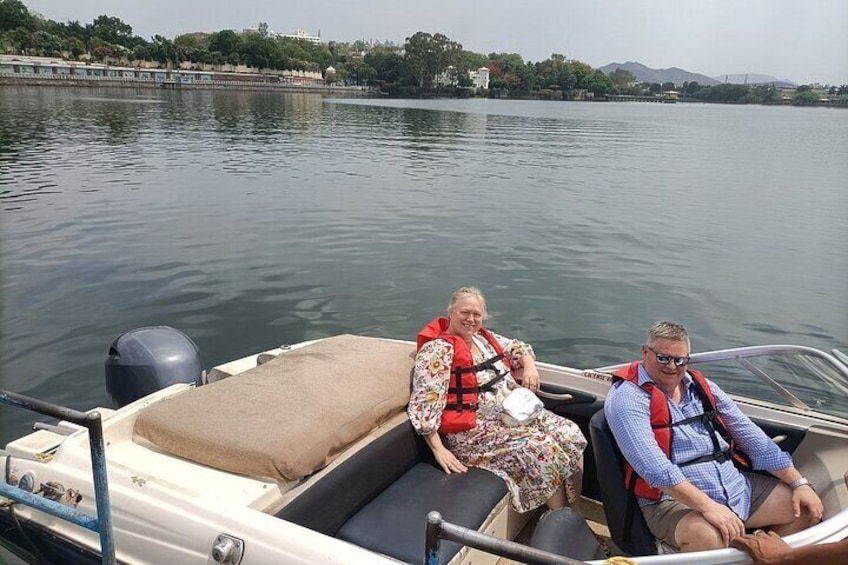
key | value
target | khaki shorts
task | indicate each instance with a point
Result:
(663, 517)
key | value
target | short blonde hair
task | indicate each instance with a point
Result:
(468, 291)
(666, 330)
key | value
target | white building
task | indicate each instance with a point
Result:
(480, 77)
(301, 34)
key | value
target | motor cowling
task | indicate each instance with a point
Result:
(145, 360)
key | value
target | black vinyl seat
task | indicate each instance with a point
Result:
(566, 533)
(634, 538)
(393, 523)
(380, 497)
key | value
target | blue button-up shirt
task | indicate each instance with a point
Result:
(628, 411)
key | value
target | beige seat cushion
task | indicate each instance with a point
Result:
(290, 416)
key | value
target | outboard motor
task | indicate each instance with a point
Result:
(145, 360)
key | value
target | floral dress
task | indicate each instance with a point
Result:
(534, 459)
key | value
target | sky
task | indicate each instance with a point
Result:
(804, 41)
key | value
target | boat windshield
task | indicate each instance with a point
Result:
(798, 377)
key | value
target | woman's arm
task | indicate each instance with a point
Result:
(430, 380)
(523, 360)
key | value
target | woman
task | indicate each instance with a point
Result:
(541, 461)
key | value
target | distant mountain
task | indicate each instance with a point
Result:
(647, 74)
(753, 78)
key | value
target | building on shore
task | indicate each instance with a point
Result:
(479, 77)
(143, 73)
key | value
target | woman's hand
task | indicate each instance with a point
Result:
(530, 374)
(444, 457)
(448, 461)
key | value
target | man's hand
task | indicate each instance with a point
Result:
(725, 521)
(806, 497)
(764, 549)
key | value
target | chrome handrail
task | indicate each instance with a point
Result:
(438, 529)
(102, 523)
(762, 350)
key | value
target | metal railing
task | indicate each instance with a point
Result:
(102, 523)
(438, 529)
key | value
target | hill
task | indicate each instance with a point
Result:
(647, 74)
(753, 78)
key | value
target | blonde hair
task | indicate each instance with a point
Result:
(468, 291)
(666, 330)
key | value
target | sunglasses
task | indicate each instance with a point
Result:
(666, 359)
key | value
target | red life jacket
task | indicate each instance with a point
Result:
(460, 413)
(663, 428)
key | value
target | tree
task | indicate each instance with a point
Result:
(387, 63)
(622, 78)
(599, 83)
(666, 86)
(509, 71)
(429, 55)
(112, 30)
(257, 51)
(162, 50)
(691, 88)
(14, 15)
(805, 97)
(225, 42)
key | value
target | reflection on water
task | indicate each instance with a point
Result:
(251, 219)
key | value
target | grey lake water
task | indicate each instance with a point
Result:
(253, 219)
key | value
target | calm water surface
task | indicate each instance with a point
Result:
(249, 220)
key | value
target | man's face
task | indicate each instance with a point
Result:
(661, 359)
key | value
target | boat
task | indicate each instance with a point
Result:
(303, 454)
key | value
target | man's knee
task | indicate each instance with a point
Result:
(694, 533)
(775, 510)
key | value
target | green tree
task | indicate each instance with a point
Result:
(429, 55)
(622, 78)
(258, 51)
(691, 88)
(599, 83)
(162, 50)
(225, 42)
(112, 30)
(805, 97)
(387, 63)
(14, 15)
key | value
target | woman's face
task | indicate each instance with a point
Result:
(466, 317)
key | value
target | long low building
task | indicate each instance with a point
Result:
(46, 68)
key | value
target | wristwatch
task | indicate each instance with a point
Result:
(799, 482)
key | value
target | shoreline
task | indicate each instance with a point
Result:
(105, 82)
(65, 81)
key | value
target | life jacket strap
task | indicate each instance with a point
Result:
(487, 365)
(720, 456)
(460, 407)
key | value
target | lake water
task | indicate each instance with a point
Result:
(251, 219)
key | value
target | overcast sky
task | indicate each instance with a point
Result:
(800, 40)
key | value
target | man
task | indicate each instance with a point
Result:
(681, 460)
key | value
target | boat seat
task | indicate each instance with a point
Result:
(393, 523)
(380, 497)
(634, 538)
(566, 533)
